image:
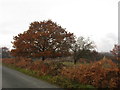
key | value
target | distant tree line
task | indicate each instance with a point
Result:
(4, 52)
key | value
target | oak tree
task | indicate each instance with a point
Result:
(43, 39)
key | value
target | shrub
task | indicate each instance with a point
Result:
(23, 62)
(42, 67)
(103, 73)
(9, 60)
(54, 68)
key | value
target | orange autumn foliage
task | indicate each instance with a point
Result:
(101, 74)
(43, 39)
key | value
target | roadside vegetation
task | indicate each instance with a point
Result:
(100, 74)
(48, 70)
(47, 51)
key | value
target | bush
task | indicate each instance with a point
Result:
(9, 60)
(103, 74)
(67, 83)
(23, 62)
(54, 68)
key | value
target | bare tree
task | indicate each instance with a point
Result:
(82, 48)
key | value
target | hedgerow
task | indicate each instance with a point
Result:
(101, 74)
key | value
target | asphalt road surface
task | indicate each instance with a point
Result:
(15, 79)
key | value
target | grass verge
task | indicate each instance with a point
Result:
(58, 80)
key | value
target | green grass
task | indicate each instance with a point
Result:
(72, 63)
(58, 80)
(68, 63)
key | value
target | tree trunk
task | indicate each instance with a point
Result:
(43, 58)
(75, 57)
(75, 61)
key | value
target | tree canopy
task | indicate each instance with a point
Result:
(116, 50)
(4, 52)
(82, 48)
(43, 39)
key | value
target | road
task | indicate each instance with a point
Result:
(15, 79)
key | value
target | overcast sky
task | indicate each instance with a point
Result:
(97, 19)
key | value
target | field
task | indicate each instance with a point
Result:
(100, 74)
